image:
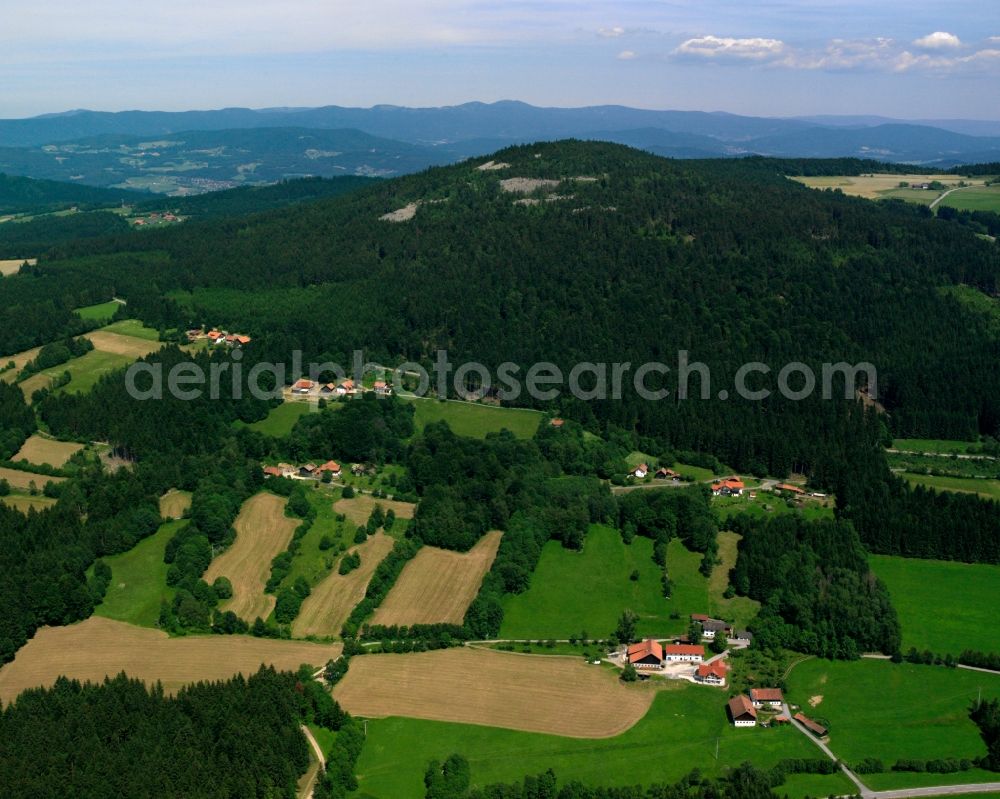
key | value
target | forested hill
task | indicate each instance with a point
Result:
(19, 194)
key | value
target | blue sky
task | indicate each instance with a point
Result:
(913, 59)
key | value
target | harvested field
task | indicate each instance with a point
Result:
(11, 266)
(20, 361)
(360, 507)
(262, 531)
(527, 185)
(174, 503)
(23, 480)
(332, 600)
(46, 450)
(438, 585)
(556, 695)
(492, 166)
(118, 344)
(100, 647)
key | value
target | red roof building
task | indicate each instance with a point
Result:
(713, 673)
(815, 728)
(330, 466)
(273, 471)
(742, 712)
(645, 655)
(766, 696)
(689, 653)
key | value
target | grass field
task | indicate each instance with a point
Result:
(41, 450)
(99, 647)
(359, 507)
(84, 372)
(20, 360)
(332, 600)
(882, 186)
(739, 610)
(943, 606)
(557, 695)
(311, 562)
(23, 502)
(936, 445)
(139, 580)
(679, 732)
(262, 531)
(174, 503)
(977, 198)
(474, 420)
(280, 421)
(572, 592)
(990, 489)
(132, 328)
(23, 480)
(879, 709)
(102, 312)
(438, 586)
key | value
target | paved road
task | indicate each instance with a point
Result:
(940, 790)
(863, 789)
(959, 455)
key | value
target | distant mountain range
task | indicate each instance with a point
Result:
(200, 150)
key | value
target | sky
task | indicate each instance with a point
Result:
(911, 59)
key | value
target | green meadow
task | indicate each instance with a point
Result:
(975, 198)
(84, 371)
(139, 580)
(990, 489)
(102, 312)
(938, 446)
(280, 421)
(943, 606)
(572, 592)
(472, 419)
(134, 328)
(310, 561)
(875, 708)
(683, 729)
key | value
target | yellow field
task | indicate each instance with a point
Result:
(556, 695)
(174, 503)
(20, 361)
(331, 602)
(22, 502)
(872, 187)
(45, 450)
(118, 344)
(262, 531)
(11, 266)
(360, 507)
(23, 480)
(100, 647)
(438, 585)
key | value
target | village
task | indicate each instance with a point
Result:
(681, 659)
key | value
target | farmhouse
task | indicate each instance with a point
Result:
(816, 729)
(663, 473)
(330, 466)
(287, 470)
(557, 422)
(303, 386)
(328, 388)
(792, 489)
(346, 387)
(307, 470)
(743, 636)
(741, 712)
(684, 653)
(730, 487)
(645, 655)
(640, 471)
(273, 471)
(382, 388)
(713, 673)
(711, 627)
(767, 697)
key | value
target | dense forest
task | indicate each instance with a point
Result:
(238, 738)
(20, 194)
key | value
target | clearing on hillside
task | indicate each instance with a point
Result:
(23, 480)
(359, 507)
(737, 609)
(46, 450)
(11, 266)
(174, 503)
(139, 580)
(262, 531)
(438, 585)
(20, 360)
(332, 600)
(473, 419)
(24, 502)
(97, 647)
(557, 695)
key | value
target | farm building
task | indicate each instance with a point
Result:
(382, 388)
(303, 386)
(815, 728)
(307, 470)
(713, 673)
(645, 655)
(640, 471)
(730, 487)
(791, 489)
(663, 473)
(766, 697)
(273, 471)
(712, 627)
(743, 636)
(684, 653)
(330, 466)
(557, 422)
(742, 712)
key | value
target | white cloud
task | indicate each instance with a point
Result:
(626, 55)
(719, 47)
(611, 33)
(939, 40)
(843, 54)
